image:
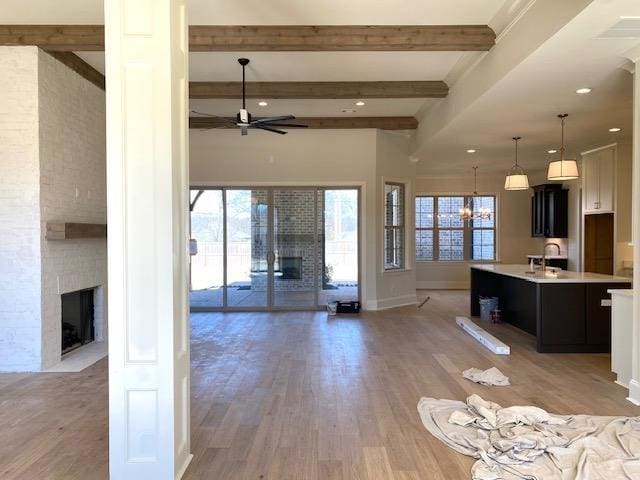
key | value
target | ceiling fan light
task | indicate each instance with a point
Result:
(516, 181)
(564, 169)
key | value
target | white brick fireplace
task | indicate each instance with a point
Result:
(52, 168)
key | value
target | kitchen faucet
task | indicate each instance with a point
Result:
(544, 254)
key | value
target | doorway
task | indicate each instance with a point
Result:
(274, 248)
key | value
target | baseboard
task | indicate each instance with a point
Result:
(442, 285)
(183, 468)
(634, 392)
(393, 302)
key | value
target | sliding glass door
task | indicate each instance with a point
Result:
(247, 272)
(274, 248)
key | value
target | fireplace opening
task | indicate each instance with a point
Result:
(291, 268)
(77, 319)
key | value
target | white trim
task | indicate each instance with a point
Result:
(393, 302)
(496, 226)
(238, 184)
(181, 471)
(597, 149)
(409, 222)
(514, 21)
(634, 392)
(443, 285)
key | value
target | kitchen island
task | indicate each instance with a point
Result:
(567, 311)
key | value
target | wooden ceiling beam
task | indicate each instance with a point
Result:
(382, 123)
(61, 38)
(81, 67)
(319, 90)
(270, 38)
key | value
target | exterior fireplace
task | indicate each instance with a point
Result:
(77, 319)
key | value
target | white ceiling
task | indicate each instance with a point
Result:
(377, 107)
(523, 103)
(272, 12)
(299, 66)
(527, 100)
(313, 66)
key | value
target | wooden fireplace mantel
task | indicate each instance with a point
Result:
(70, 231)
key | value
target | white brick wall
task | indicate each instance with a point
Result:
(19, 210)
(52, 167)
(72, 189)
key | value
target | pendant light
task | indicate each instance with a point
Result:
(565, 168)
(467, 213)
(516, 178)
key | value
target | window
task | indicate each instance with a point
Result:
(443, 236)
(393, 226)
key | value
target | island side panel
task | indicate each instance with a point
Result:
(483, 284)
(562, 318)
(518, 303)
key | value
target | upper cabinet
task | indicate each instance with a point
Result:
(549, 211)
(598, 180)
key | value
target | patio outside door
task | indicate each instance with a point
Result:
(273, 248)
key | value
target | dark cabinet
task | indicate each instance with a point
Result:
(549, 211)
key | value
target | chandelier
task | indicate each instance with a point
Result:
(467, 213)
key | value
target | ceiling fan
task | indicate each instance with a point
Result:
(244, 119)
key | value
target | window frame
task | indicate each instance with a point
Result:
(467, 229)
(401, 227)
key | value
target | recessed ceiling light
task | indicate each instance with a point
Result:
(348, 110)
(263, 104)
(471, 150)
(360, 103)
(552, 151)
(614, 129)
(583, 91)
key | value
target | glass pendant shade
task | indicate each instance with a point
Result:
(563, 169)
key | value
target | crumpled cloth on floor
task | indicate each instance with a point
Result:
(489, 377)
(529, 443)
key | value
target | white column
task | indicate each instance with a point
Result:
(147, 197)
(634, 383)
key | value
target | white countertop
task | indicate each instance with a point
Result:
(564, 276)
(549, 257)
(627, 292)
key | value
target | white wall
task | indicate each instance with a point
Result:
(513, 224)
(395, 288)
(72, 189)
(19, 210)
(52, 142)
(623, 217)
(314, 157)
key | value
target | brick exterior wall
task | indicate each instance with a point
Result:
(52, 168)
(294, 237)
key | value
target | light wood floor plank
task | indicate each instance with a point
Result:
(300, 396)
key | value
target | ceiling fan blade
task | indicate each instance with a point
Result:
(204, 114)
(281, 118)
(288, 125)
(269, 129)
(244, 131)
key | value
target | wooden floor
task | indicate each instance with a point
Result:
(302, 396)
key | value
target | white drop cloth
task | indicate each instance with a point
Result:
(489, 377)
(529, 443)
